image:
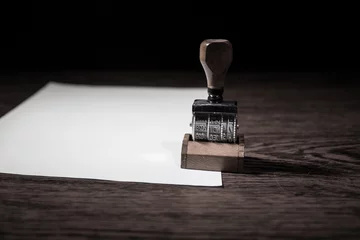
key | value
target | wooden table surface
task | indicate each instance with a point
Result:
(302, 134)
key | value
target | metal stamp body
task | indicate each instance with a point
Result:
(214, 122)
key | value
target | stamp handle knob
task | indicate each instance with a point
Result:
(215, 58)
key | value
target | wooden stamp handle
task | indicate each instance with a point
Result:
(215, 57)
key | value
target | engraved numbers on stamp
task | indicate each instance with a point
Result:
(215, 127)
(201, 125)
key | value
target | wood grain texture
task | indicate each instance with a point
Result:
(302, 180)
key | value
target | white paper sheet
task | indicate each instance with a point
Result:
(102, 132)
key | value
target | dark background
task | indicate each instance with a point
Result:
(118, 35)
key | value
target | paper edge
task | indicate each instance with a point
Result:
(54, 83)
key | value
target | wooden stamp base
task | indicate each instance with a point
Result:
(224, 157)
